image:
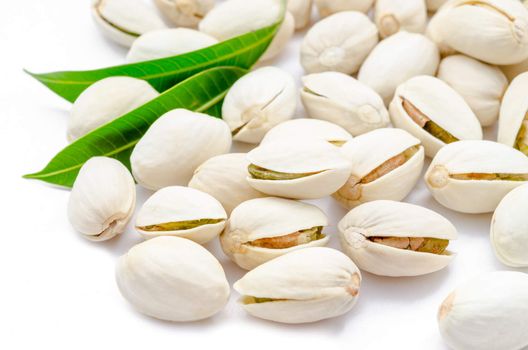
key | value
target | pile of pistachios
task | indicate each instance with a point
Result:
(436, 71)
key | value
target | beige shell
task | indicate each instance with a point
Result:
(329, 7)
(184, 13)
(397, 59)
(124, 20)
(102, 199)
(394, 219)
(106, 100)
(224, 177)
(481, 85)
(380, 154)
(301, 11)
(259, 101)
(172, 279)
(391, 16)
(175, 145)
(306, 285)
(322, 168)
(459, 175)
(434, 5)
(339, 43)
(343, 100)
(440, 104)
(513, 70)
(176, 204)
(269, 218)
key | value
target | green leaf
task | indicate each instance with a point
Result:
(203, 92)
(242, 51)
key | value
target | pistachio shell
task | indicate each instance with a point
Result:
(391, 16)
(397, 59)
(270, 218)
(301, 11)
(476, 159)
(328, 7)
(376, 151)
(445, 109)
(343, 100)
(306, 285)
(259, 101)
(185, 13)
(124, 20)
(339, 43)
(481, 85)
(105, 100)
(224, 177)
(434, 5)
(102, 199)
(394, 219)
(175, 145)
(172, 279)
(321, 168)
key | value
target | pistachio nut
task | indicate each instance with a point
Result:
(184, 13)
(265, 228)
(391, 16)
(308, 129)
(481, 85)
(172, 279)
(460, 25)
(397, 59)
(434, 112)
(224, 178)
(343, 100)
(329, 7)
(175, 145)
(473, 176)
(102, 199)
(106, 100)
(124, 20)
(339, 43)
(300, 170)
(513, 120)
(513, 70)
(183, 212)
(236, 17)
(396, 239)
(386, 164)
(301, 10)
(487, 312)
(168, 42)
(303, 286)
(434, 5)
(258, 101)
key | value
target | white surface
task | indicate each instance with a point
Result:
(58, 290)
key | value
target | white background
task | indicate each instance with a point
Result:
(58, 290)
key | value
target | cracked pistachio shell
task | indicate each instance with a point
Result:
(184, 13)
(308, 129)
(329, 7)
(397, 59)
(394, 219)
(301, 11)
(487, 312)
(258, 101)
(236, 17)
(343, 100)
(391, 16)
(176, 204)
(224, 177)
(168, 42)
(172, 279)
(124, 20)
(309, 285)
(322, 168)
(375, 152)
(481, 85)
(434, 5)
(106, 100)
(514, 111)
(474, 196)
(175, 145)
(268, 218)
(509, 228)
(339, 43)
(493, 31)
(102, 199)
(441, 104)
